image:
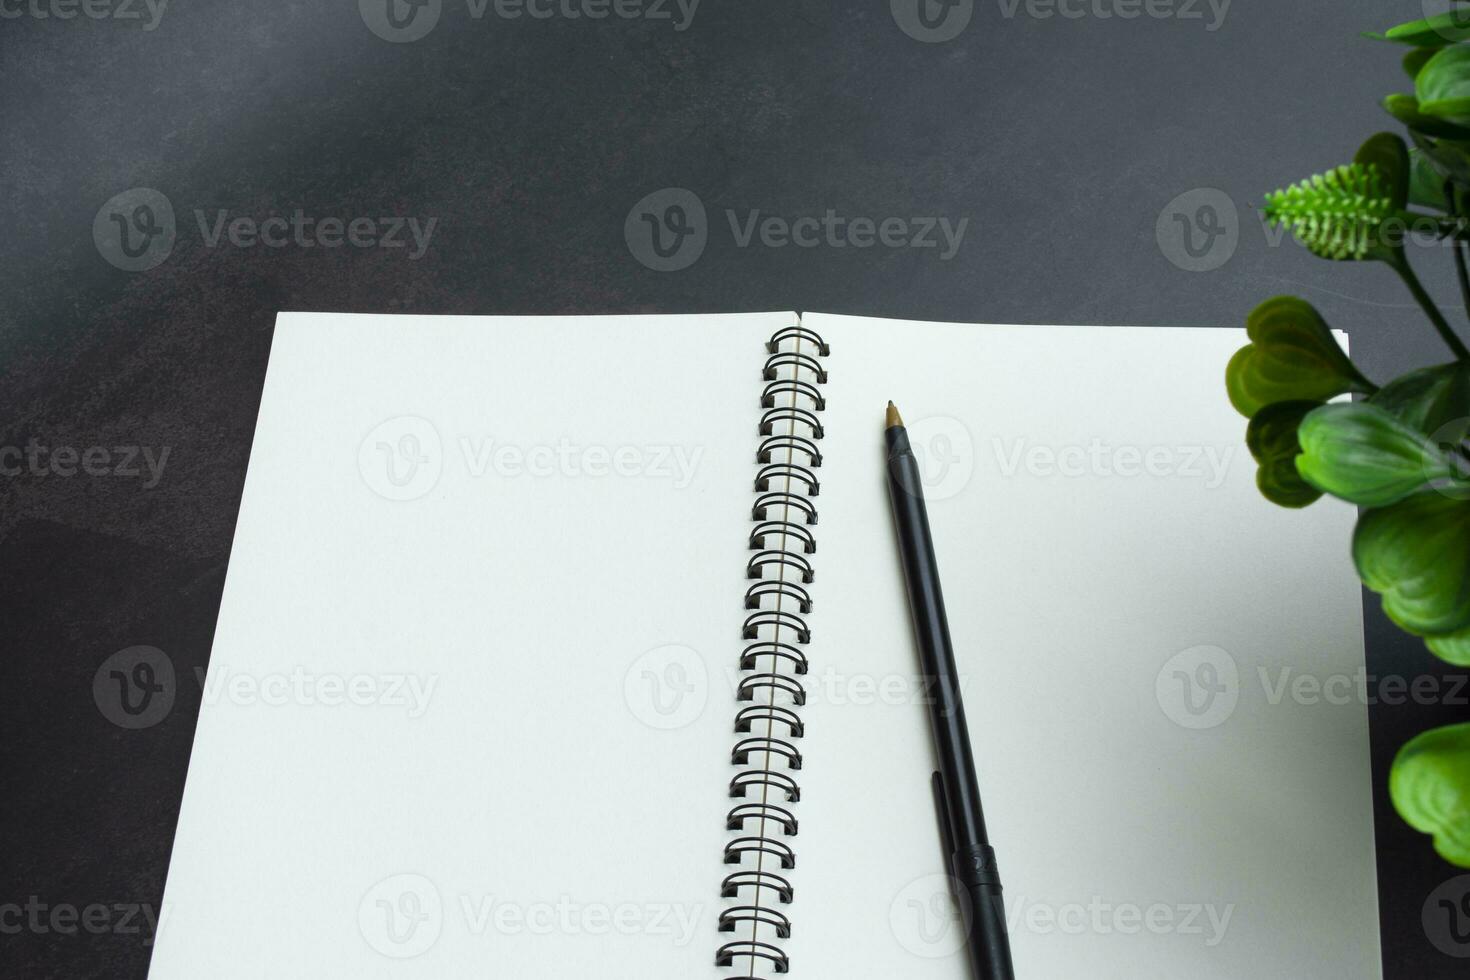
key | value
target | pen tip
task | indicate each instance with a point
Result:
(893, 417)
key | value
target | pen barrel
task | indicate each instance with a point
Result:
(988, 946)
(931, 628)
(988, 942)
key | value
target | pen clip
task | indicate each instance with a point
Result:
(941, 811)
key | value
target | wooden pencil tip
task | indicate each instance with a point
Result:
(893, 417)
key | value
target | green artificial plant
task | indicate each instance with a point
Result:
(1401, 450)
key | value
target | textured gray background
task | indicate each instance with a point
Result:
(1061, 140)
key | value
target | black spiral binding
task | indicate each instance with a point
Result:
(775, 632)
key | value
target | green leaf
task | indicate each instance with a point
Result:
(1341, 214)
(1362, 454)
(1453, 25)
(1272, 440)
(1405, 108)
(1452, 648)
(1292, 357)
(1237, 373)
(1272, 431)
(1416, 554)
(1448, 155)
(1388, 153)
(1443, 85)
(1430, 787)
(1426, 183)
(1430, 399)
(1414, 60)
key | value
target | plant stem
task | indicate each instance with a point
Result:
(1452, 202)
(1406, 273)
(1459, 248)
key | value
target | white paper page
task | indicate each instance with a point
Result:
(1102, 544)
(540, 523)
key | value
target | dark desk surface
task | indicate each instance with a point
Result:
(1064, 141)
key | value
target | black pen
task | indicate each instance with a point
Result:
(955, 787)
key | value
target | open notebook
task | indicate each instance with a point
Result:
(529, 622)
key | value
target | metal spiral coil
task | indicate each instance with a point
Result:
(767, 502)
(769, 727)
